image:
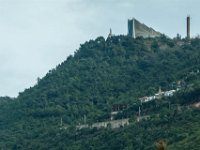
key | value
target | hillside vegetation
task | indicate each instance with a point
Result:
(101, 73)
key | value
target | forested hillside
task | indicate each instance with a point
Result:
(102, 73)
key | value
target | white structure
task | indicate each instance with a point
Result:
(158, 95)
(112, 124)
(114, 113)
(169, 93)
(147, 99)
(137, 29)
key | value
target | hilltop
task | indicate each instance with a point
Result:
(104, 72)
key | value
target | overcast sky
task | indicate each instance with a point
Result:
(37, 35)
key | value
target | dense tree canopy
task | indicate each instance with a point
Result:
(101, 73)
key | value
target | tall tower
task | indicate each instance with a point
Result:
(188, 27)
(131, 28)
(110, 33)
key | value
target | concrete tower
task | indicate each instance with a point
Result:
(188, 27)
(131, 28)
(138, 29)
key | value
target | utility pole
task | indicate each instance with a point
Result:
(139, 114)
(85, 119)
(139, 111)
(61, 122)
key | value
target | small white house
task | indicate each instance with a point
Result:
(147, 99)
(169, 93)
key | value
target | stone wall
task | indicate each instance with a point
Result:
(113, 124)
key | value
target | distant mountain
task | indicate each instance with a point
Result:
(118, 70)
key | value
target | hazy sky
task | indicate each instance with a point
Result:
(37, 35)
